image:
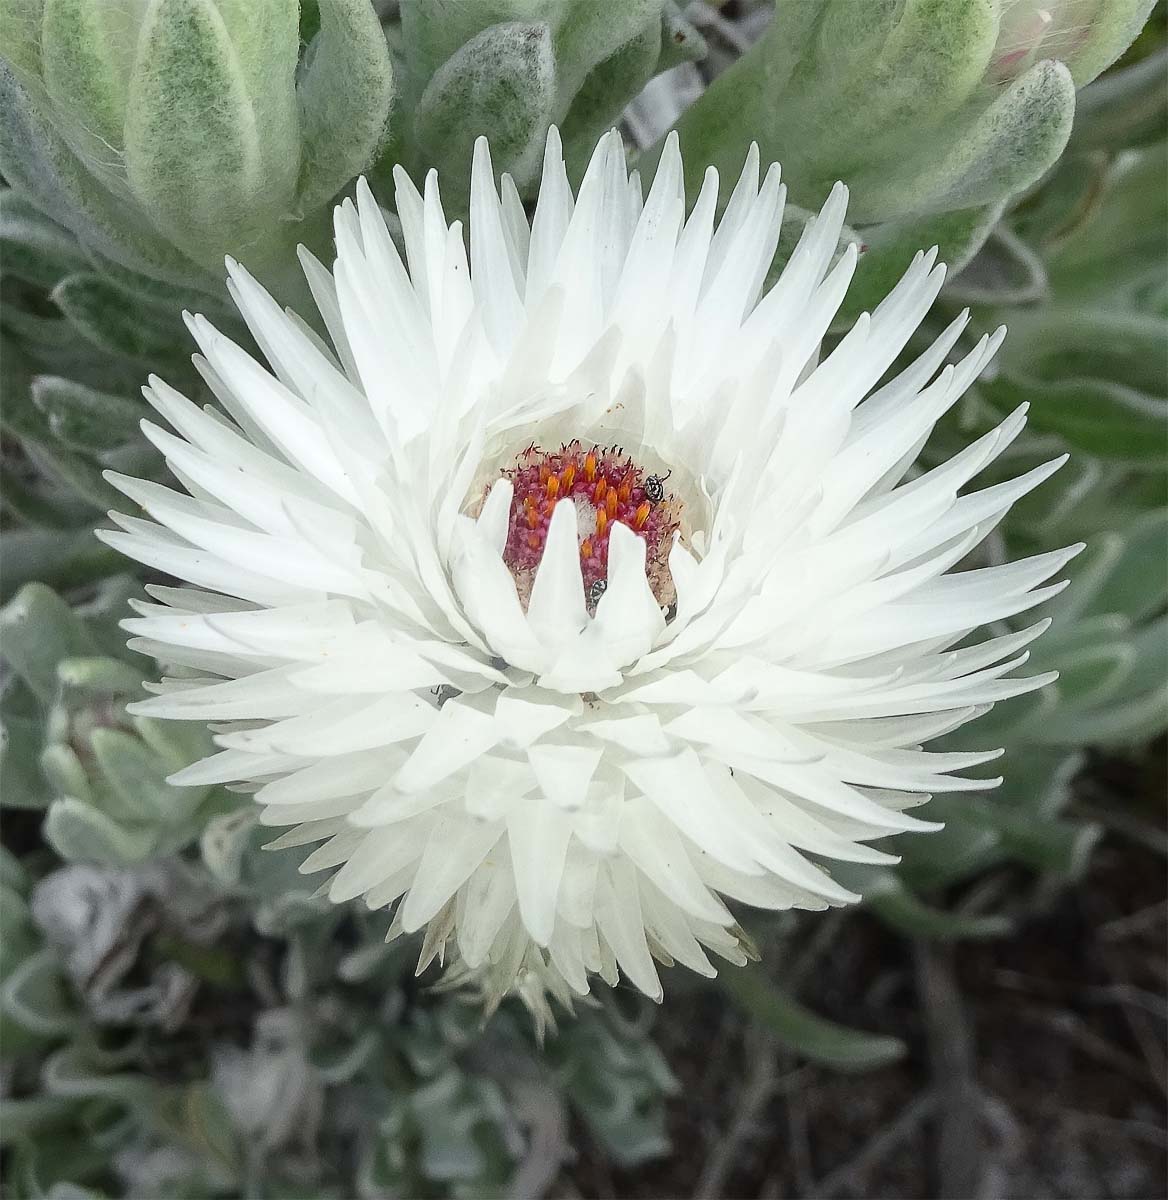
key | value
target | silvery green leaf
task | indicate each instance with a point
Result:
(207, 298)
(22, 785)
(38, 630)
(69, 1072)
(84, 419)
(177, 743)
(957, 852)
(211, 135)
(118, 322)
(1046, 845)
(833, 85)
(203, 1122)
(1094, 675)
(616, 1081)
(18, 414)
(885, 893)
(21, 1117)
(104, 677)
(997, 152)
(447, 1115)
(587, 35)
(13, 875)
(60, 558)
(87, 52)
(502, 84)
(602, 95)
(80, 833)
(34, 997)
(21, 22)
(38, 502)
(802, 1031)
(1120, 246)
(345, 94)
(138, 779)
(81, 475)
(888, 249)
(1134, 579)
(1060, 342)
(893, 99)
(224, 841)
(1097, 416)
(33, 247)
(36, 161)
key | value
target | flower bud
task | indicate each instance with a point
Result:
(151, 126)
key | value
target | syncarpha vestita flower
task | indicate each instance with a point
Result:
(568, 593)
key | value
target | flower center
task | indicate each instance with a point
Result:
(606, 486)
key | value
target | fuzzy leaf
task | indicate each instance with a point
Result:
(886, 895)
(605, 91)
(501, 84)
(212, 146)
(81, 833)
(87, 53)
(1094, 415)
(32, 247)
(39, 164)
(62, 559)
(889, 249)
(21, 783)
(803, 1031)
(38, 630)
(116, 322)
(84, 419)
(345, 94)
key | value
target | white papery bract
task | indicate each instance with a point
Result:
(550, 779)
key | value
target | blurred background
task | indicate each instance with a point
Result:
(180, 1016)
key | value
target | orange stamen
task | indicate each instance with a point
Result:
(625, 490)
(586, 548)
(533, 540)
(610, 503)
(599, 490)
(601, 522)
(552, 486)
(568, 477)
(590, 465)
(641, 515)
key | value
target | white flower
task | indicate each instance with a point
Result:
(566, 594)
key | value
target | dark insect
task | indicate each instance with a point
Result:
(598, 588)
(655, 488)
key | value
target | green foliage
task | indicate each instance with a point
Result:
(70, 747)
(803, 1031)
(509, 68)
(935, 113)
(142, 142)
(164, 136)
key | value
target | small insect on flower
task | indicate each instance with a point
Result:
(655, 488)
(574, 591)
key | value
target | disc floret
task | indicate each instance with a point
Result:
(607, 486)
